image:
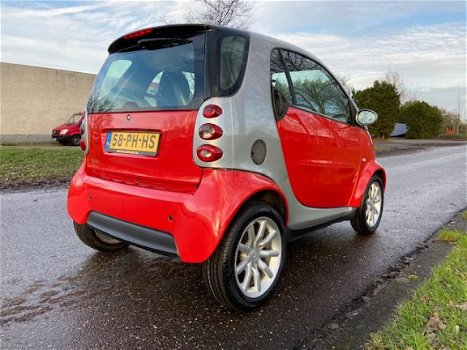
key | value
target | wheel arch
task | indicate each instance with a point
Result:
(220, 199)
(271, 197)
(268, 196)
(372, 168)
(382, 175)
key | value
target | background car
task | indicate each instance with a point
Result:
(69, 133)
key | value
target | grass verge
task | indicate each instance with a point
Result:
(454, 137)
(436, 316)
(32, 167)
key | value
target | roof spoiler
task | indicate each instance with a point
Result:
(132, 39)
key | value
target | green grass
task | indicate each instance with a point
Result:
(30, 166)
(450, 235)
(381, 148)
(454, 137)
(436, 316)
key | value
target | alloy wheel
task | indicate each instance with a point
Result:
(258, 257)
(373, 204)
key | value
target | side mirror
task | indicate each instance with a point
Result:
(366, 117)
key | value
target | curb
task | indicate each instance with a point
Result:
(351, 328)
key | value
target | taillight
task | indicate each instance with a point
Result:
(212, 111)
(138, 33)
(209, 153)
(210, 131)
(84, 131)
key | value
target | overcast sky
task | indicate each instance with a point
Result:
(424, 41)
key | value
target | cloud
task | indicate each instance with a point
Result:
(74, 37)
(423, 55)
(350, 17)
(423, 41)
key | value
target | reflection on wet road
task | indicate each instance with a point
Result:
(57, 292)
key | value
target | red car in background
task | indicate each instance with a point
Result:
(69, 133)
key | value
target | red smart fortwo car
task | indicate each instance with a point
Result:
(218, 146)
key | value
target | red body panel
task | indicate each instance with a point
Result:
(322, 156)
(369, 166)
(199, 219)
(73, 129)
(367, 171)
(171, 169)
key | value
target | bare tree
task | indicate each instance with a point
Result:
(395, 79)
(232, 13)
(460, 108)
(344, 80)
(451, 121)
(412, 94)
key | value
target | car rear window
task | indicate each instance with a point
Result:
(157, 74)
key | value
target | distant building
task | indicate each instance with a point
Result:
(36, 99)
(400, 130)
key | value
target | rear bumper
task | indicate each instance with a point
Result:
(195, 221)
(157, 241)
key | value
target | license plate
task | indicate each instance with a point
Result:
(143, 143)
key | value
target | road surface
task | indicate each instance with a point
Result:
(59, 294)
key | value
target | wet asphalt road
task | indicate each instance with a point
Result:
(57, 293)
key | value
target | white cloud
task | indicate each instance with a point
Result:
(423, 56)
(356, 39)
(74, 37)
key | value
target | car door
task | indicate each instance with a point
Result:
(320, 142)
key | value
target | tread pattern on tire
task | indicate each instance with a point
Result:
(217, 269)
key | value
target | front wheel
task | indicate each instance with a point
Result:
(368, 216)
(75, 140)
(97, 240)
(245, 269)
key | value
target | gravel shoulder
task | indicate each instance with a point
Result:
(402, 146)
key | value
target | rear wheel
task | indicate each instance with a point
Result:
(97, 240)
(368, 216)
(245, 269)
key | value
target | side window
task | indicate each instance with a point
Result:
(279, 77)
(315, 89)
(232, 60)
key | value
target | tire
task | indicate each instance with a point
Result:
(367, 219)
(97, 240)
(75, 140)
(250, 246)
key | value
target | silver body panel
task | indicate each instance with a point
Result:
(248, 116)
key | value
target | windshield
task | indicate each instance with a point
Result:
(73, 119)
(157, 74)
